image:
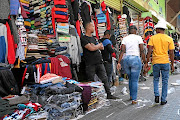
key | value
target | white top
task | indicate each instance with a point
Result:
(132, 42)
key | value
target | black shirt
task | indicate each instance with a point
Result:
(106, 53)
(91, 57)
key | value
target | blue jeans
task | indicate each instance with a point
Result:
(164, 69)
(132, 67)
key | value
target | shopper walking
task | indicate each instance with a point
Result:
(93, 58)
(107, 54)
(159, 45)
(132, 45)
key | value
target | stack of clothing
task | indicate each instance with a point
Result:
(63, 32)
(123, 28)
(42, 43)
(101, 17)
(148, 29)
(26, 14)
(59, 12)
(61, 100)
(20, 108)
(35, 14)
(141, 27)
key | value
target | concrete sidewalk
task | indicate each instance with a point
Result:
(145, 109)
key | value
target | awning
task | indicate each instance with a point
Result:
(158, 17)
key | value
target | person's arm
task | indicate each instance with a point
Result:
(142, 53)
(150, 49)
(123, 50)
(171, 56)
(110, 49)
(92, 47)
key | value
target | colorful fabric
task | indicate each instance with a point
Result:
(14, 6)
(11, 46)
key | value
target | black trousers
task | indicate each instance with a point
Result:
(100, 71)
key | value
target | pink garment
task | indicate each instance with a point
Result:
(48, 76)
(24, 4)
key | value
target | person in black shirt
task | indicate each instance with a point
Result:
(106, 54)
(93, 58)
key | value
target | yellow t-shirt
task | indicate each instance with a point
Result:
(161, 43)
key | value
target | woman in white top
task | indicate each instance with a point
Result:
(132, 45)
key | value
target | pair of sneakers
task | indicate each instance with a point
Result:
(157, 100)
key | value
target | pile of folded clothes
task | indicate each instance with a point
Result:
(101, 17)
(59, 13)
(61, 99)
(20, 108)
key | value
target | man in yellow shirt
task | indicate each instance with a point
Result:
(159, 45)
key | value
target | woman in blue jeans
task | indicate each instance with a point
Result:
(132, 45)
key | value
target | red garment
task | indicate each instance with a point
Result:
(65, 71)
(54, 65)
(11, 50)
(27, 12)
(78, 28)
(62, 17)
(23, 12)
(108, 21)
(61, 20)
(23, 77)
(58, 68)
(59, 2)
(103, 6)
(61, 9)
(46, 67)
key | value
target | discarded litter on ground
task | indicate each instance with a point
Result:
(124, 91)
(145, 88)
(171, 90)
(109, 115)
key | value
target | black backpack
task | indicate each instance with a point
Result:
(8, 84)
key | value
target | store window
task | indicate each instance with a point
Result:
(156, 1)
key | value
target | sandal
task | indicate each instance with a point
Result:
(134, 102)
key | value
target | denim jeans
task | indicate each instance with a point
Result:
(164, 69)
(132, 67)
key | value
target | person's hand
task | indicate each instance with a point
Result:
(101, 46)
(146, 66)
(118, 66)
(172, 68)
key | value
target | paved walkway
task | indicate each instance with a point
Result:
(145, 109)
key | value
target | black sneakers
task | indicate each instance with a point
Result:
(156, 99)
(163, 103)
(111, 97)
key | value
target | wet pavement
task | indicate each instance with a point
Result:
(145, 109)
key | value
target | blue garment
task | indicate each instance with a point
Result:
(61, 13)
(164, 69)
(132, 66)
(2, 49)
(106, 42)
(25, 7)
(31, 11)
(63, 27)
(14, 6)
(101, 17)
